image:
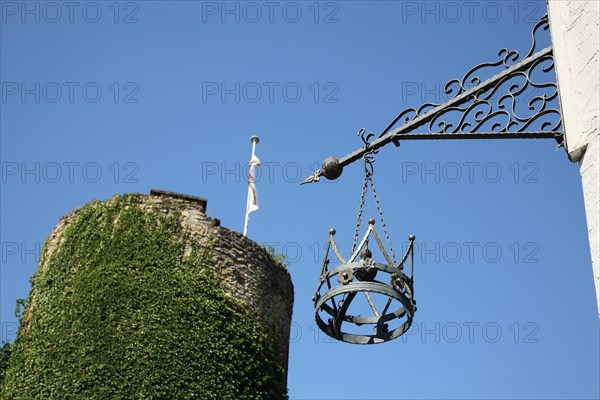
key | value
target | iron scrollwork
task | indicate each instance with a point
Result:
(478, 105)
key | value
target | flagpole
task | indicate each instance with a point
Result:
(254, 139)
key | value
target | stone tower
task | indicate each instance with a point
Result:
(144, 296)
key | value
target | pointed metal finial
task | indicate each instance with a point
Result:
(313, 178)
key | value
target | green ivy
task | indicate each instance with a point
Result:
(119, 313)
(5, 351)
(279, 258)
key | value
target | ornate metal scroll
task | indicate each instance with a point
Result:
(512, 97)
(492, 105)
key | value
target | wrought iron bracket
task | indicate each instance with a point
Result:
(473, 112)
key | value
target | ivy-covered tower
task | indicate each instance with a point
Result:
(144, 296)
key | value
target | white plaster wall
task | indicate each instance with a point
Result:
(575, 31)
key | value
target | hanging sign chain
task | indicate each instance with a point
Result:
(368, 180)
(385, 229)
(360, 209)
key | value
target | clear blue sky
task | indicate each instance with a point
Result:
(103, 98)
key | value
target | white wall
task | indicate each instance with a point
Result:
(575, 30)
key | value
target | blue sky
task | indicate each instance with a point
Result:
(100, 98)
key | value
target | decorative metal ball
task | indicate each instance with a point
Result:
(332, 231)
(411, 237)
(345, 277)
(366, 253)
(331, 168)
(371, 221)
(366, 274)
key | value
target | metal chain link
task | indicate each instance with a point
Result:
(368, 179)
(387, 234)
(360, 209)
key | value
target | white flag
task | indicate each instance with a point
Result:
(252, 202)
